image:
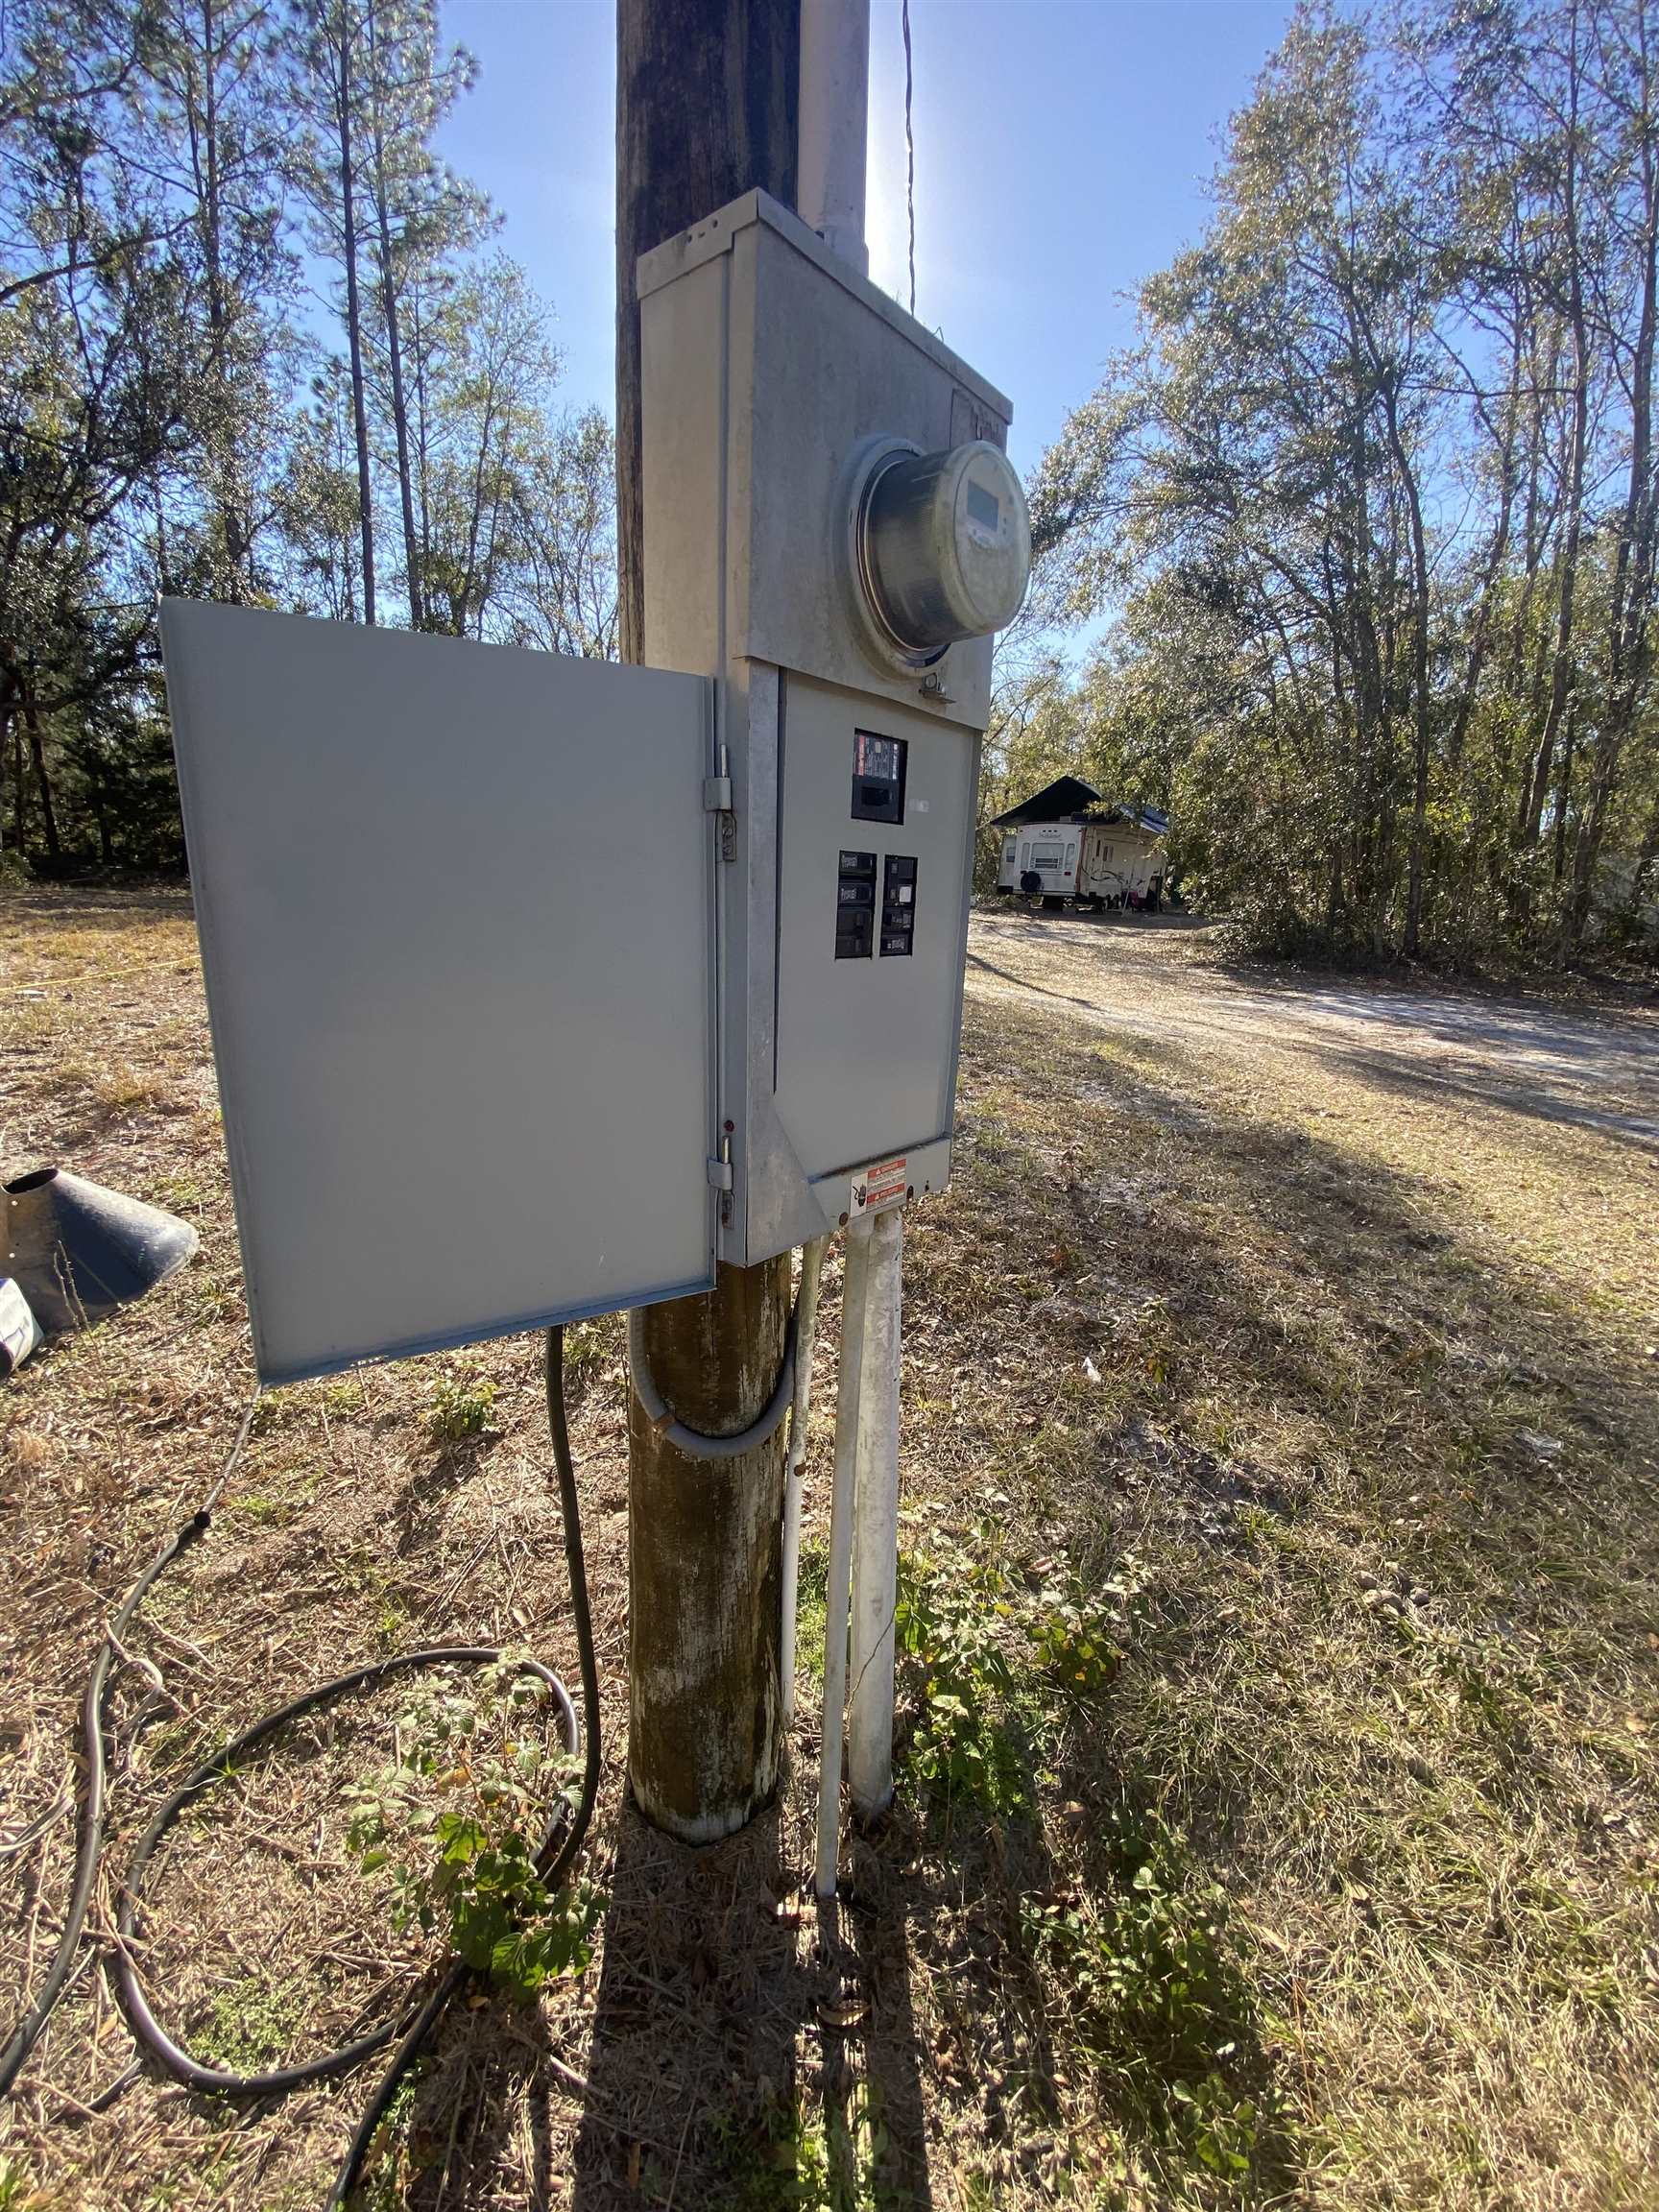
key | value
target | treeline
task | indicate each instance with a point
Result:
(257, 344)
(1371, 504)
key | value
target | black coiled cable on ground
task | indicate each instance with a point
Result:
(28, 2030)
(565, 1847)
(561, 1842)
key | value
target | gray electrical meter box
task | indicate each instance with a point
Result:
(466, 1089)
(832, 533)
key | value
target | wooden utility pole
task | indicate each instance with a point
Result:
(706, 110)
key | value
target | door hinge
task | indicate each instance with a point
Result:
(720, 1174)
(717, 800)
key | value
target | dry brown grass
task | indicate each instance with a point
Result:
(1389, 1683)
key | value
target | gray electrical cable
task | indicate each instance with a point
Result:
(691, 1441)
(90, 1843)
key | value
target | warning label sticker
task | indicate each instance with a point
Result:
(884, 1182)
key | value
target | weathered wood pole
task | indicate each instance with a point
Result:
(706, 110)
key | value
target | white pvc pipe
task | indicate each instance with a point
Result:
(831, 146)
(875, 1526)
(853, 1289)
(801, 1407)
(834, 124)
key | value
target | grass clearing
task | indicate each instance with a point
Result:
(251, 2022)
(1277, 1817)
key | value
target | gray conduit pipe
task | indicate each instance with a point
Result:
(875, 1526)
(805, 1332)
(692, 1441)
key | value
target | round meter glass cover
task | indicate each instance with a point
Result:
(945, 545)
(993, 538)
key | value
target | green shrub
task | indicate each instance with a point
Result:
(990, 1656)
(456, 1822)
(462, 1403)
(1154, 1995)
(971, 1739)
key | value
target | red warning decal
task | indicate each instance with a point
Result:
(884, 1182)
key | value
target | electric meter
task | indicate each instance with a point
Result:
(942, 543)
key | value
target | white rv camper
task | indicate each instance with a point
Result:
(1065, 843)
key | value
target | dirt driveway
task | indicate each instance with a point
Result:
(1594, 1069)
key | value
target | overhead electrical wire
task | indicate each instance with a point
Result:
(909, 146)
(561, 1842)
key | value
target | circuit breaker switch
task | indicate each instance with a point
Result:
(944, 543)
(856, 907)
(897, 905)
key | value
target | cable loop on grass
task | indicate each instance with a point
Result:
(279, 2081)
(562, 1839)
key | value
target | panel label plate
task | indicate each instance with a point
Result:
(884, 1182)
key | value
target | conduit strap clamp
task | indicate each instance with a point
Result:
(693, 1442)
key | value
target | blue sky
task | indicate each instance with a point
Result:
(1061, 151)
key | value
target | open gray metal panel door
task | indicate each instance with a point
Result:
(456, 911)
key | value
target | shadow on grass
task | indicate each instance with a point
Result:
(1563, 1101)
(114, 909)
(422, 1500)
(698, 2065)
(1093, 1981)
(716, 2074)
(1414, 1448)
(1310, 1283)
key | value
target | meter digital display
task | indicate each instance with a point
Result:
(983, 507)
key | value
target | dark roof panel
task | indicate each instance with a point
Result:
(1065, 795)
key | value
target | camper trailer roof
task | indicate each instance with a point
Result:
(1068, 799)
